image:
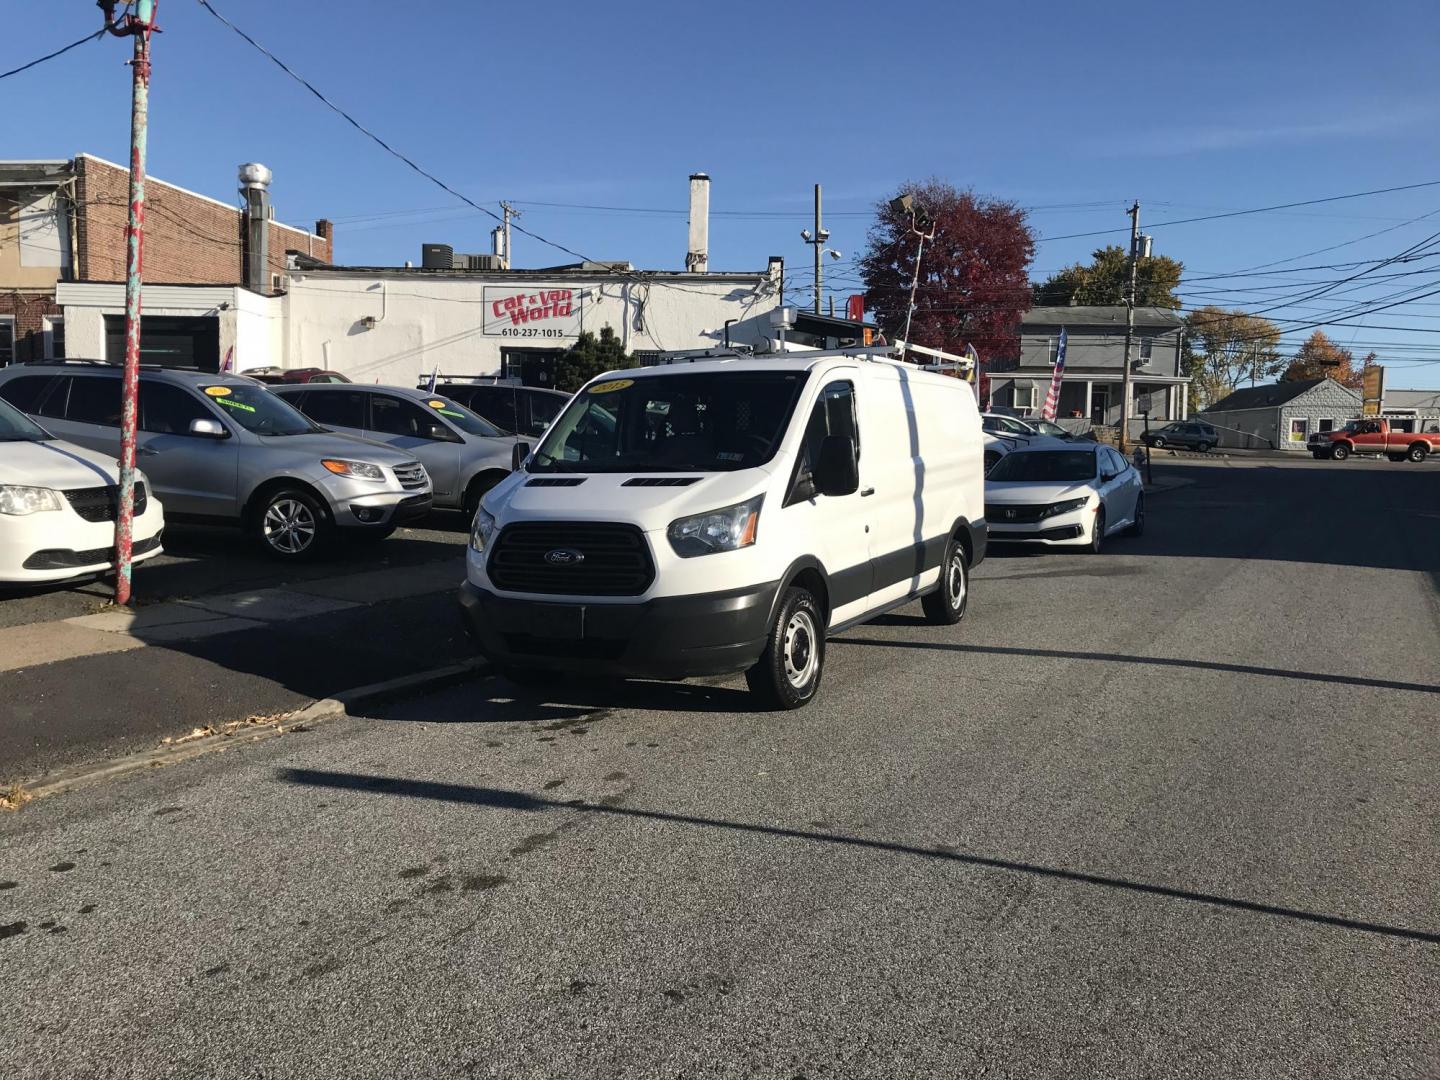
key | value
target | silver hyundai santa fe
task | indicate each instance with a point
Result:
(222, 449)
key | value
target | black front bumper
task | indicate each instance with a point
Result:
(672, 637)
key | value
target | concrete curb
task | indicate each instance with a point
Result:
(306, 718)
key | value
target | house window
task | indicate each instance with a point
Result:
(1023, 398)
(1325, 424)
(1147, 350)
(55, 338)
(1299, 430)
(1052, 351)
(7, 339)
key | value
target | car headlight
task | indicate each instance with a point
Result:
(1066, 506)
(359, 470)
(481, 530)
(727, 529)
(17, 500)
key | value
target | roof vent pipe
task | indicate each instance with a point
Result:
(697, 259)
(255, 188)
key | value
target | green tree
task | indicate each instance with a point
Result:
(588, 357)
(1321, 358)
(1224, 348)
(1103, 281)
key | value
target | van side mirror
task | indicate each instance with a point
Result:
(518, 453)
(837, 472)
(208, 429)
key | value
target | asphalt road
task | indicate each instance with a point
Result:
(1168, 811)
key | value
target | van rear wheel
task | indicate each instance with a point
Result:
(787, 675)
(946, 605)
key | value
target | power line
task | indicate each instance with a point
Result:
(58, 52)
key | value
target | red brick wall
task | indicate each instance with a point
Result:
(188, 240)
(30, 310)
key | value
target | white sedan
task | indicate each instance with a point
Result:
(1067, 494)
(58, 504)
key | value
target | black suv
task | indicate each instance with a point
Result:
(1186, 434)
(515, 410)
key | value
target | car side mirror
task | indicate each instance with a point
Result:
(837, 472)
(518, 455)
(208, 429)
(1106, 477)
(440, 433)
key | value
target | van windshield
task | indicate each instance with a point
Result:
(687, 422)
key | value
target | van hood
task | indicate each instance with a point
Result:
(55, 464)
(618, 496)
(1032, 492)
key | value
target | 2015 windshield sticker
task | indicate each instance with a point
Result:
(611, 386)
(232, 404)
(218, 391)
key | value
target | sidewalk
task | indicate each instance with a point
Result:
(96, 686)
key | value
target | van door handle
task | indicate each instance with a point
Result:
(867, 491)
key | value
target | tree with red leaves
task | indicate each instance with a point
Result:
(974, 279)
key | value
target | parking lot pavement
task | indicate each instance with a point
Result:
(1166, 811)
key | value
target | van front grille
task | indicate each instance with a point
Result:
(541, 557)
(103, 503)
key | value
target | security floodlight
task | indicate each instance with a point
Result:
(902, 204)
(823, 235)
(834, 254)
(805, 235)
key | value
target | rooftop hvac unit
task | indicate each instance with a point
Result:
(437, 257)
(480, 262)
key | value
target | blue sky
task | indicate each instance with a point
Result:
(1073, 109)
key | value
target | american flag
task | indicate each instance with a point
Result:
(1052, 398)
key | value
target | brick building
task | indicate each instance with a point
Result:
(62, 231)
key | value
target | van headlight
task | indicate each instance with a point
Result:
(481, 530)
(359, 470)
(728, 529)
(1066, 506)
(18, 500)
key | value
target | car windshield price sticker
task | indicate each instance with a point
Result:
(611, 386)
(232, 404)
(218, 391)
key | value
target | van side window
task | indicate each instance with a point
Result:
(834, 415)
(94, 400)
(168, 410)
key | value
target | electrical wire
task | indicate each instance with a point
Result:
(58, 52)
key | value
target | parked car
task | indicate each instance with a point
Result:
(1373, 435)
(465, 455)
(58, 504)
(726, 517)
(1186, 434)
(275, 376)
(515, 410)
(1002, 424)
(1051, 429)
(1074, 494)
(224, 449)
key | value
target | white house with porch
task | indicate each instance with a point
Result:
(1094, 365)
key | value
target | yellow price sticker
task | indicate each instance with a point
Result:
(436, 404)
(611, 386)
(218, 391)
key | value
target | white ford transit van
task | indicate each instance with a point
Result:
(724, 516)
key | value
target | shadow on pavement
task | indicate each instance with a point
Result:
(506, 799)
(1158, 661)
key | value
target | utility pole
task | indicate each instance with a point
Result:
(510, 212)
(1134, 213)
(817, 241)
(138, 25)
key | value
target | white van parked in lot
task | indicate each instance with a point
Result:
(725, 516)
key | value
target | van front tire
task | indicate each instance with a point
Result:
(787, 675)
(946, 605)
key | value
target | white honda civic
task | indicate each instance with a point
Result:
(1068, 494)
(58, 504)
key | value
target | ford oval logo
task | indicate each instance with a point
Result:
(564, 557)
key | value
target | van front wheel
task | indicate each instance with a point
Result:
(946, 605)
(787, 675)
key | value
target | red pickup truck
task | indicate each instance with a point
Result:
(1373, 435)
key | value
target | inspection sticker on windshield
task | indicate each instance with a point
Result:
(611, 386)
(218, 391)
(232, 404)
